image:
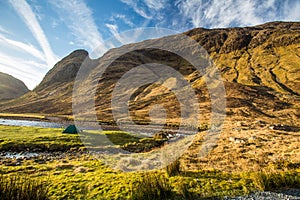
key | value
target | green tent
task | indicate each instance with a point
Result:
(71, 129)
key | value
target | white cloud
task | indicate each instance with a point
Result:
(187, 14)
(3, 30)
(27, 15)
(137, 8)
(30, 72)
(156, 4)
(225, 13)
(219, 13)
(17, 45)
(291, 10)
(79, 19)
(123, 18)
(115, 32)
(112, 28)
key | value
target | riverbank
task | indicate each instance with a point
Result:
(37, 117)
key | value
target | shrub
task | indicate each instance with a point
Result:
(22, 188)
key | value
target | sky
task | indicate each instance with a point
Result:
(35, 34)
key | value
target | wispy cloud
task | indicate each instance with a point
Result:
(79, 19)
(25, 12)
(225, 13)
(29, 71)
(139, 9)
(186, 14)
(124, 18)
(156, 4)
(17, 45)
(114, 30)
(3, 30)
(291, 10)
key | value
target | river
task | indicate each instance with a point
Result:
(33, 123)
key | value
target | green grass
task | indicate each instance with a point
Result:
(84, 177)
(13, 138)
(100, 182)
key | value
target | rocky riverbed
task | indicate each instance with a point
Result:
(290, 194)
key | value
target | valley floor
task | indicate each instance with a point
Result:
(69, 171)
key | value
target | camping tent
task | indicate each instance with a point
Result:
(71, 129)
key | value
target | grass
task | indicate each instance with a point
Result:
(173, 169)
(277, 180)
(18, 187)
(35, 116)
(152, 186)
(84, 177)
(23, 115)
(13, 138)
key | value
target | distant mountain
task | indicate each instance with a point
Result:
(11, 87)
(259, 66)
(54, 93)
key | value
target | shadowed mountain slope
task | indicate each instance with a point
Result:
(10, 87)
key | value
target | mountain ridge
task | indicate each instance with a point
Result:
(259, 66)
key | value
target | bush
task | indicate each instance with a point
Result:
(22, 188)
(152, 186)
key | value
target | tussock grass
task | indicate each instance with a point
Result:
(272, 181)
(22, 188)
(173, 169)
(152, 186)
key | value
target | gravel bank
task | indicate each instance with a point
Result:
(291, 194)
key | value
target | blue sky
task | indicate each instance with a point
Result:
(35, 34)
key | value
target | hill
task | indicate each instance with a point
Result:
(260, 71)
(10, 87)
(54, 94)
(259, 66)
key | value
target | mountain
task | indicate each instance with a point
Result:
(54, 94)
(10, 87)
(260, 70)
(259, 66)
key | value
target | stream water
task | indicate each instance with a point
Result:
(33, 123)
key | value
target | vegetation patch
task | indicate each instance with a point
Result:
(82, 176)
(18, 187)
